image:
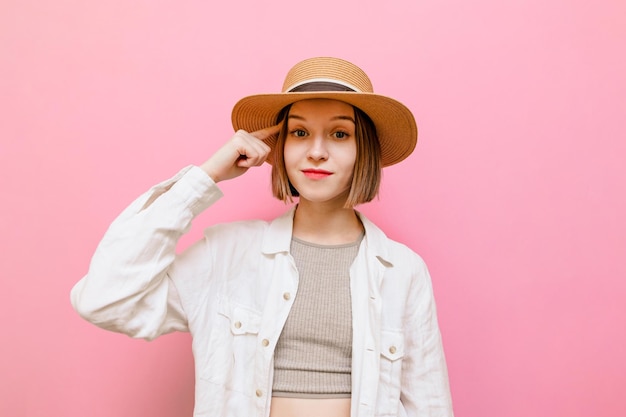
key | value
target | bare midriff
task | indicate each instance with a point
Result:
(310, 407)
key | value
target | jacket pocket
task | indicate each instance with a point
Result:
(389, 387)
(232, 348)
(242, 320)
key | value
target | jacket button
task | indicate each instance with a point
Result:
(237, 325)
(259, 393)
(286, 296)
(265, 342)
(392, 350)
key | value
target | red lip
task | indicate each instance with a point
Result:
(316, 173)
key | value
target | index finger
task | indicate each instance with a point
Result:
(267, 132)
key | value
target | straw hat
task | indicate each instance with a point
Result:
(333, 78)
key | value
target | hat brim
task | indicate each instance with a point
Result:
(394, 122)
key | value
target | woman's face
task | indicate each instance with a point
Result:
(320, 149)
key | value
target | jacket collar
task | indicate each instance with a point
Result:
(377, 241)
(278, 236)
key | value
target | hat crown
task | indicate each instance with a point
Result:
(328, 69)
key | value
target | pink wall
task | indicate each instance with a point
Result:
(515, 197)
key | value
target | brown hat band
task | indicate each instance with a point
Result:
(320, 86)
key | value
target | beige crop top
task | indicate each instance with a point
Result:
(313, 356)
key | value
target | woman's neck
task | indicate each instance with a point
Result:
(326, 224)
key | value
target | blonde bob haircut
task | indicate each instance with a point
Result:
(367, 173)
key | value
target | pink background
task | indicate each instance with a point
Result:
(515, 196)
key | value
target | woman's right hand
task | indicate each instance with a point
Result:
(244, 150)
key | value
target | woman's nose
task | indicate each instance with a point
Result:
(317, 150)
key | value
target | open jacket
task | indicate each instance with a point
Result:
(233, 291)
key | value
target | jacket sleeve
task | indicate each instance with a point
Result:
(425, 387)
(127, 288)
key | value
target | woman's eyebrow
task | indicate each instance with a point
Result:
(349, 118)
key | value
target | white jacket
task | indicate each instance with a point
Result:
(233, 291)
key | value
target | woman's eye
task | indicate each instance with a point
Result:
(341, 135)
(299, 133)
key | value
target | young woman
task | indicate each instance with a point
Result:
(316, 313)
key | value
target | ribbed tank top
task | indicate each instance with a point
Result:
(313, 356)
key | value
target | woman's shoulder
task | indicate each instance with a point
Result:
(250, 230)
(401, 260)
(237, 226)
(401, 254)
(391, 248)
